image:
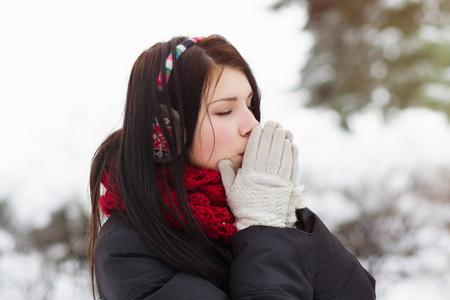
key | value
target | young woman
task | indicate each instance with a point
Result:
(202, 201)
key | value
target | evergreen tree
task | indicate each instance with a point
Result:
(381, 54)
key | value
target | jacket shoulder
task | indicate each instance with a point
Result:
(126, 268)
(339, 274)
(124, 263)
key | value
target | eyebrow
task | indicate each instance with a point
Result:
(230, 98)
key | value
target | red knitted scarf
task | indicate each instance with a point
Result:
(207, 201)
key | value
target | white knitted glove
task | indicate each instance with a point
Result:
(260, 192)
(296, 201)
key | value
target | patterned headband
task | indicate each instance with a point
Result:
(169, 61)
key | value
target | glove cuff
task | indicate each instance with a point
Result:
(256, 204)
(295, 203)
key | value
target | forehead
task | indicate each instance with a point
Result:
(228, 83)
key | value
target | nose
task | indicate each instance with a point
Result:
(248, 123)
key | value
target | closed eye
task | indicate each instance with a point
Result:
(223, 113)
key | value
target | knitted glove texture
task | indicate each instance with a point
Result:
(296, 201)
(260, 193)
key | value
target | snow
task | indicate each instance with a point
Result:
(64, 76)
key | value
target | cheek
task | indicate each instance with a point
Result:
(215, 142)
(206, 142)
(203, 145)
(224, 136)
(210, 145)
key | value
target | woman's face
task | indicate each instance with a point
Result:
(224, 122)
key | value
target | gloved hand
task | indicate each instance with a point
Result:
(260, 193)
(296, 201)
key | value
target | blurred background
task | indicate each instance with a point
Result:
(363, 85)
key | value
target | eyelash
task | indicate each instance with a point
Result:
(230, 111)
(224, 113)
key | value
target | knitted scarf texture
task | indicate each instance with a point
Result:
(207, 201)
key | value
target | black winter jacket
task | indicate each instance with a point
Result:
(269, 263)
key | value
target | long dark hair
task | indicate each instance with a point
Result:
(129, 151)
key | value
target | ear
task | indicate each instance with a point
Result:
(161, 150)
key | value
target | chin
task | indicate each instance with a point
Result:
(237, 165)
